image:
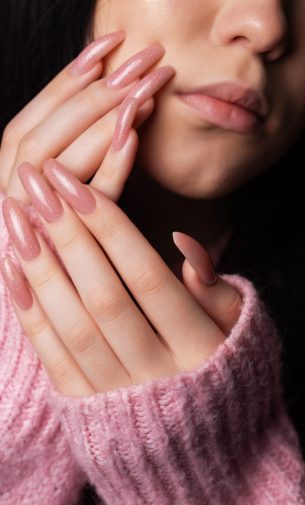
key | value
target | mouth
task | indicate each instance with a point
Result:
(228, 105)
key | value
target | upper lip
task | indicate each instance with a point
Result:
(235, 93)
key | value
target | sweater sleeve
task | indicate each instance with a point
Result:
(36, 463)
(218, 434)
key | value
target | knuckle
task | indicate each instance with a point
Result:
(37, 328)
(68, 239)
(91, 96)
(110, 227)
(10, 133)
(106, 304)
(30, 143)
(62, 372)
(150, 281)
(42, 278)
(80, 338)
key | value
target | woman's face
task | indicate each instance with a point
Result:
(257, 44)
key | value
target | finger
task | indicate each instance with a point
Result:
(61, 302)
(168, 305)
(115, 169)
(65, 124)
(143, 113)
(62, 87)
(91, 150)
(60, 129)
(112, 175)
(58, 362)
(218, 298)
(99, 287)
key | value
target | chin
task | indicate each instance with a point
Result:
(186, 172)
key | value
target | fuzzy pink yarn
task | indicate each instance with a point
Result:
(215, 435)
(36, 463)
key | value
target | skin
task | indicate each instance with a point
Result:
(93, 359)
(261, 43)
(206, 43)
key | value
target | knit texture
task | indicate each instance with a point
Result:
(36, 463)
(215, 435)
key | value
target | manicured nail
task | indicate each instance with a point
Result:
(43, 197)
(151, 83)
(95, 51)
(69, 187)
(16, 284)
(197, 256)
(124, 122)
(134, 66)
(20, 229)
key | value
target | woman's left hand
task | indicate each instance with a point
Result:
(91, 334)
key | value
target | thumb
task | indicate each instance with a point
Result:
(221, 301)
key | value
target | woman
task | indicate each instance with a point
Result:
(192, 412)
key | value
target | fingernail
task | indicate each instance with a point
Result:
(69, 187)
(134, 66)
(151, 83)
(124, 122)
(43, 197)
(20, 229)
(86, 60)
(16, 284)
(197, 256)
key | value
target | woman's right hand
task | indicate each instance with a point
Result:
(73, 119)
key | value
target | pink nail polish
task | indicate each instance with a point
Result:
(151, 83)
(16, 284)
(69, 187)
(124, 122)
(20, 230)
(43, 197)
(86, 60)
(134, 66)
(197, 256)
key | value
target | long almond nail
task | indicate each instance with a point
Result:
(20, 229)
(197, 256)
(69, 187)
(86, 60)
(43, 197)
(150, 84)
(16, 284)
(134, 66)
(124, 122)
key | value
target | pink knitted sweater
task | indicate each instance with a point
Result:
(215, 435)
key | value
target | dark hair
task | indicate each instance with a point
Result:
(39, 37)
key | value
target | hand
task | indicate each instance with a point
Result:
(73, 118)
(91, 334)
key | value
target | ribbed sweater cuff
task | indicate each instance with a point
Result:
(217, 434)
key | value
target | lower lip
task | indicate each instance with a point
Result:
(223, 114)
